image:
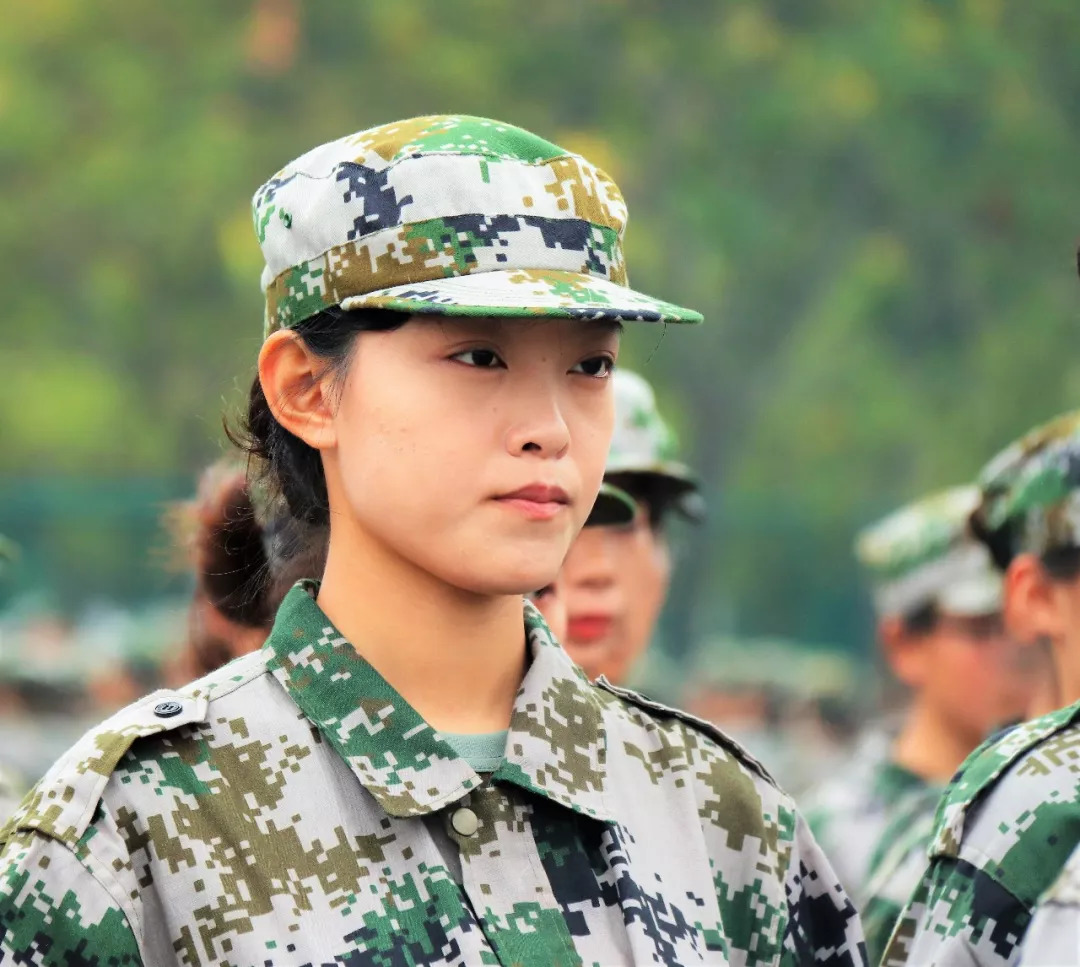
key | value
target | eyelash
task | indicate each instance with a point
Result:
(606, 360)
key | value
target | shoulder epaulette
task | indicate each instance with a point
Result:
(699, 724)
(62, 804)
(985, 767)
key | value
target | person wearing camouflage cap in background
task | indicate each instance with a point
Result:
(613, 508)
(1010, 818)
(937, 596)
(615, 579)
(411, 770)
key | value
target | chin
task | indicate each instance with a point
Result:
(491, 579)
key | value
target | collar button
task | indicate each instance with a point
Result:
(465, 821)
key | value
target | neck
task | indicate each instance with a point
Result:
(929, 746)
(456, 657)
(1066, 666)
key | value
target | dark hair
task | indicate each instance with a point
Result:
(229, 557)
(999, 541)
(291, 467)
(1061, 563)
(921, 620)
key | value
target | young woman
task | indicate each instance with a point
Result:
(411, 771)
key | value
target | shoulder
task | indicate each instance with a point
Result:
(63, 803)
(852, 793)
(651, 720)
(48, 896)
(1028, 767)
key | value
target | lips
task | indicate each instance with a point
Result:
(536, 501)
(589, 627)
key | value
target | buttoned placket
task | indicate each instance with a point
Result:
(503, 878)
(555, 750)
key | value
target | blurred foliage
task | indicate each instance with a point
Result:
(873, 203)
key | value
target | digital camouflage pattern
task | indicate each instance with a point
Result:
(1031, 490)
(292, 809)
(1054, 935)
(453, 215)
(925, 554)
(1005, 827)
(850, 812)
(897, 863)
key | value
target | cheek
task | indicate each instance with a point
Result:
(644, 573)
(590, 439)
(399, 462)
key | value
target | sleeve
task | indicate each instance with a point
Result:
(822, 925)
(958, 915)
(54, 913)
(1053, 938)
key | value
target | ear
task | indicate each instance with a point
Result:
(296, 390)
(904, 652)
(1032, 609)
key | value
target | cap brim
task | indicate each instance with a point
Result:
(613, 508)
(670, 481)
(526, 293)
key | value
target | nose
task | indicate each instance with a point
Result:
(540, 427)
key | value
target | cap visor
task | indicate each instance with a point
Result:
(525, 292)
(671, 483)
(613, 507)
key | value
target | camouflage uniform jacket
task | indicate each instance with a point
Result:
(292, 809)
(849, 812)
(897, 864)
(1054, 935)
(1007, 823)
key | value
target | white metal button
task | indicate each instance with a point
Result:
(465, 822)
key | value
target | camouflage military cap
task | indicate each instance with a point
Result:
(643, 443)
(453, 215)
(1031, 490)
(613, 507)
(925, 553)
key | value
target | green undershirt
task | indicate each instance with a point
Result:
(484, 751)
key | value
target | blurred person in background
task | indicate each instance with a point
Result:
(231, 610)
(1010, 818)
(613, 508)
(411, 769)
(615, 579)
(937, 595)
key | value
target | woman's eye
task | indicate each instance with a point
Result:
(596, 366)
(480, 358)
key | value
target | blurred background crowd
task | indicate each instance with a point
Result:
(873, 204)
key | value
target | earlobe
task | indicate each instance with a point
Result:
(294, 386)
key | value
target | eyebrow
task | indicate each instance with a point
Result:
(606, 325)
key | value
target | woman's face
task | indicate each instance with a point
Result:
(473, 448)
(614, 583)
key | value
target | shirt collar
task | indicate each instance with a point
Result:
(556, 746)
